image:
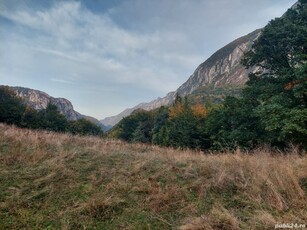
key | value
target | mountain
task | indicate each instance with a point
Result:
(113, 120)
(222, 69)
(39, 100)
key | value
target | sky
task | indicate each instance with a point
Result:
(108, 55)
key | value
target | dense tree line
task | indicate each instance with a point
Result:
(181, 125)
(272, 109)
(14, 111)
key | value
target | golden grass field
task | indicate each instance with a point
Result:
(59, 181)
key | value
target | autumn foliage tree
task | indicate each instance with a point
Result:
(182, 125)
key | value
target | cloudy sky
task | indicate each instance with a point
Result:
(107, 55)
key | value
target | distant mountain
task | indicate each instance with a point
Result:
(39, 100)
(222, 69)
(113, 120)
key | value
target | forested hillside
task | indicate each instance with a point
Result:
(272, 108)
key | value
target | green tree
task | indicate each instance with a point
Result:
(30, 119)
(52, 119)
(136, 127)
(185, 128)
(159, 130)
(84, 127)
(142, 133)
(234, 124)
(279, 86)
(11, 107)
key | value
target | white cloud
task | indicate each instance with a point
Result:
(60, 81)
(58, 53)
(76, 34)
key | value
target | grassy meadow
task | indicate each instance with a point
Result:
(60, 181)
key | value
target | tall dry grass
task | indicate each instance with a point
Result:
(56, 181)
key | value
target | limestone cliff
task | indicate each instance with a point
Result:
(223, 68)
(39, 100)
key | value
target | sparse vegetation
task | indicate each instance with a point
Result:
(59, 181)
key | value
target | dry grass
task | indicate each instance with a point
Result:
(58, 181)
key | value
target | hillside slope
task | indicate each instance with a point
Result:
(57, 181)
(222, 69)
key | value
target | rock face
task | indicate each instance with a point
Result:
(222, 69)
(39, 100)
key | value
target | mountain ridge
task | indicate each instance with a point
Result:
(222, 68)
(39, 100)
